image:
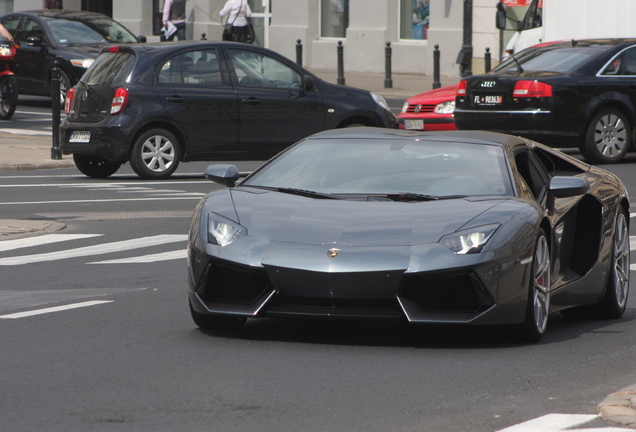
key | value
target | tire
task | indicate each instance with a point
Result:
(95, 167)
(608, 137)
(539, 293)
(8, 96)
(216, 322)
(155, 154)
(617, 290)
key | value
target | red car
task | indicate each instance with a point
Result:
(430, 111)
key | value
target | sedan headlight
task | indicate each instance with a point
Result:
(223, 231)
(83, 63)
(469, 241)
(380, 100)
(445, 107)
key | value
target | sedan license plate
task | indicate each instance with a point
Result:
(414, 124)
(80, 137)
(487, 99)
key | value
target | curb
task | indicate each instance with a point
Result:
(619, 408)
(14, 228)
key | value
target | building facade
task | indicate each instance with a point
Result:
(413, 27)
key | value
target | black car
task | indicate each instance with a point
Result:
(459, 227)
(158, 104)
(73, 38)
(579, 93)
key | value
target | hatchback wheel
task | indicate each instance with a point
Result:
(608, 137)
(95, 167)
(155, 154)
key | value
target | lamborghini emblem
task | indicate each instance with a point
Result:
(333, 252)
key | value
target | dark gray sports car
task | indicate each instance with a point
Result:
(442, 227)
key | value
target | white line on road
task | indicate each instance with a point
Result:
(96, 249)
(26, 132)
(54, 309)
(560, 422)
(166, 256)
(103, 200)
(8, 245)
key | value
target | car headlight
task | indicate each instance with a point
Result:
(223, 231)
(469, 241)
(405, 107)
(380, 100)
(83, 63)
(445, 107)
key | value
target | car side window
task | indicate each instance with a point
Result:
(255, 69)
(200, 67)
(32, 29)
(11, 24)
(630, 62)
(532, 172)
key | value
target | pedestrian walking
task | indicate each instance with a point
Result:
(52, 4)
(238, 13)
(174, 15)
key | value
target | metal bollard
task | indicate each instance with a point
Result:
(56, 153)
(487, 60)
(299, 53)
(388, 82)
(341, 78)
(436, 83)
(203, 36)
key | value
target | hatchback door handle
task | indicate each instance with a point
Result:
(176, 99)
(251, 101)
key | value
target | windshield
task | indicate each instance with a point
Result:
(99, 30)
(377, 167)
(560, 60)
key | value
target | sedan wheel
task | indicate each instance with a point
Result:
(536, 318)
(608, 137)
(617, 290)
(155, 155)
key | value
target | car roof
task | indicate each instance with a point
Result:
(464, 136)
(60, 13)
(585, 43)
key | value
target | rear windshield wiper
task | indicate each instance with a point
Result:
(411, 196)
(306, 193)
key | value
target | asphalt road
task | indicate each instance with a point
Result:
(132, 359)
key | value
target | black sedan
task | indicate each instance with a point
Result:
(158, 104)
(456, 227)
(580, 93)
(73, 38)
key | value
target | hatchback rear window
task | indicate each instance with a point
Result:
(110, 68)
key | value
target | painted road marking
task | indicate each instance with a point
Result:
(54, 309)
(561, 422)
(8, 245)
(165, 256)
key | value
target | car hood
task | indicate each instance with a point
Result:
(86, 50)
(290, 218)
(436, 96)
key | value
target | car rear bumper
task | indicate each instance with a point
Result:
(110, 142)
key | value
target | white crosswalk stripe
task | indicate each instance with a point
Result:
(166, 256)
(99, 249)
(8, 245)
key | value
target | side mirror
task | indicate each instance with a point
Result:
(141, 39)
(501, 16)
(223, 174)
(34, 41)
(564, 187)
(308, 82)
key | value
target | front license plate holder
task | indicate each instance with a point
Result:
(80, 137)
(414, 124)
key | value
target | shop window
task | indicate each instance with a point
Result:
(334, 18)
(414, 16)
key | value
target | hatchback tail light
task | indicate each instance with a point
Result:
(68, 101)
(120, 99)
(528, 89)
(461, 88)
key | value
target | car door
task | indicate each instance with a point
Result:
(196, 94)
(275, 109)
(32, 57)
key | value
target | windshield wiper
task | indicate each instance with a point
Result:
(306, 193)
(411, 196)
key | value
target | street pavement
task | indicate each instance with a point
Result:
(20, 152)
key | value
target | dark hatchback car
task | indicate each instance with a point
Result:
(73, 38)
(158, 104)
(579, 93)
